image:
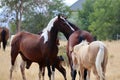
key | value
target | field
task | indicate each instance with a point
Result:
(112, 73)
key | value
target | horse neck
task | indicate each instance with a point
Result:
(67, 33)
(53, 36)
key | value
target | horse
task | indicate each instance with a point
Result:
(41, 49)
(73, 34)
(4, 35)
(93, 56)
(57, 65)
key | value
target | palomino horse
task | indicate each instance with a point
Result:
(93, 56)
(4, 35)
(41, 49)
(73, 40)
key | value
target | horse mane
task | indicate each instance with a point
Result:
(77, 47)
(47, 29)
(73, 25)
(83, 43)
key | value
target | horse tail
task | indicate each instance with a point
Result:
(99, 61)
(4, 41)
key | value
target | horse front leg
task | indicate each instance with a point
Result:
(73, 74)
(49, 71)
(22, 67)
(53, 72)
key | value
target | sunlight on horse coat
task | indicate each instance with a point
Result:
(92, 57)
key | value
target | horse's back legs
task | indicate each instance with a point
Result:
(22, 67)
(14, 54)
(62, 70)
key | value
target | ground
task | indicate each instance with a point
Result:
(112, 73)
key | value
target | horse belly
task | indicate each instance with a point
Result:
(31, 53)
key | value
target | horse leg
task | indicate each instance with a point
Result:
(11, 70)
(14, 54)
(49, 71)
(28, 64)
(88, 74)
(97, 77)
(53, 71)
(22, 66)
(62, 70)
(4, 41)
(41, 72)
(73, 73)
(82, 73)
(85, 74)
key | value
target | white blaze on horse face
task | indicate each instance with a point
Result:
(68, 24)
(48, 29)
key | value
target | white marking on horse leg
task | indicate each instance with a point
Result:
(22, 66)
(11, 70)
(53, 75)
(39, 74)
(43, 72)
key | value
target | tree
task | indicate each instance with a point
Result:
(39, 20)
(105, 22)
(83, 15)
(34, 13)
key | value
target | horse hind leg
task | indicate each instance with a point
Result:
(22, 66)
(14, 54)
(62, 70)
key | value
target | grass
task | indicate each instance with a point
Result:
(112, 73)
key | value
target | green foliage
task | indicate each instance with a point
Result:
(105, 19)
(83, 15)
(100, 17)
(34, 15)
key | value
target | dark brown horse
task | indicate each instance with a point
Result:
(57, 65)
(4, 35)
(41, 49)
(73, 35)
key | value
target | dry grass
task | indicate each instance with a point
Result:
(112, 73)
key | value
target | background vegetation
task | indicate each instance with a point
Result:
(100, 17)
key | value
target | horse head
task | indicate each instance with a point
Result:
(64, 26)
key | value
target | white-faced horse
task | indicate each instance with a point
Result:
(93, 56)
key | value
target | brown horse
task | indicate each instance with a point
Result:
(41, 49)
(4, 35)
(93, 56)
(57, 65)
(73, 35)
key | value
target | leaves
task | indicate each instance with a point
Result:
(101, 18)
